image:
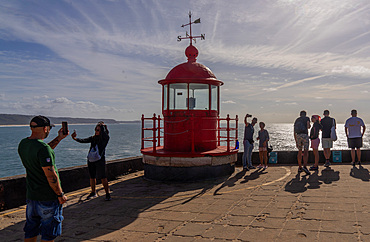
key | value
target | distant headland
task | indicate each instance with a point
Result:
(18, 119)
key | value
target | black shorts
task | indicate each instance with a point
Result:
(97, 169)
(354, 142)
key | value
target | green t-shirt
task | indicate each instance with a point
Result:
(36, 154)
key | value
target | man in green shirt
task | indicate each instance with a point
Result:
(44, 192)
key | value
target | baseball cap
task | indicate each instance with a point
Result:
(41, 121)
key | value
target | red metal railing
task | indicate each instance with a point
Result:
(157, 127)
(227, 138)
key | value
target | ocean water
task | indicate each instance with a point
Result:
(125, 141)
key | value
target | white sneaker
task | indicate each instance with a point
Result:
(260, 166)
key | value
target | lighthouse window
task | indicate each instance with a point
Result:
(214, 97)
(198, 96)
(165, 94)
(178, 93)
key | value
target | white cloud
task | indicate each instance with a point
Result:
(347, 69)
(229, 101)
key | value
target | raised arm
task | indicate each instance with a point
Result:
(86, 140)
(57, 139)
(245, 119)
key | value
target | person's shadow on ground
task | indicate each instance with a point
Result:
(297, 184)
(360, 173)
(328, 175)
(254, 175)
(300, 184)
(231, 181)
(313, 180)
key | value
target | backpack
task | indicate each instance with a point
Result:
(300, 127)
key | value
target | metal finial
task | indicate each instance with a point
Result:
(191, 37)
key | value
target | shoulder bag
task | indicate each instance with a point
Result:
(333, 132)
(93, 154)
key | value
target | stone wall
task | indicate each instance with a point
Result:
(13, 189)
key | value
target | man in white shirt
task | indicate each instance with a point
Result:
(354, 135)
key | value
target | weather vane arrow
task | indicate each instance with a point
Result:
(191, 37)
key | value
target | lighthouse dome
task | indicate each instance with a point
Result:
(191, 69)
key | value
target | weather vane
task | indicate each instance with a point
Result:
(191, 37)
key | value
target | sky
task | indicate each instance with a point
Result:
(103, 59)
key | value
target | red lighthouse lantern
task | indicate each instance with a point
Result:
(190, 102)
(192, 132)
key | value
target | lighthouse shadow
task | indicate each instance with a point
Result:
(137, 204)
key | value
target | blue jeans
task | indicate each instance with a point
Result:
(247, 155)
(45, 218)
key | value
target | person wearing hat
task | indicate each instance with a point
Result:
(44, 192)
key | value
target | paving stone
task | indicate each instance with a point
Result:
(149, 225)
(207, 217)
(299, 224)
(339, 226)
(297, 235)
(267, 222)
(276, 213)
(237, 220)
(192, 229)
(174, 238)
(223, 232)
(243, 210)
(308, 214)
(217, 209)
(339, 215)
(259, 234)
(200, 239)
(175, 216)
(120, 235)
(338, 237)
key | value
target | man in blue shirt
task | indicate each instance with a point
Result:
(354, 135)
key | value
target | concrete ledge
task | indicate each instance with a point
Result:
(290, 157)
(13, 189)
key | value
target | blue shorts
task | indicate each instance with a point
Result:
(45, 218)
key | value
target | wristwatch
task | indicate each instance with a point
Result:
(61, 195)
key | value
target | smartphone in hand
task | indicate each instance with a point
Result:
(65, 128)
